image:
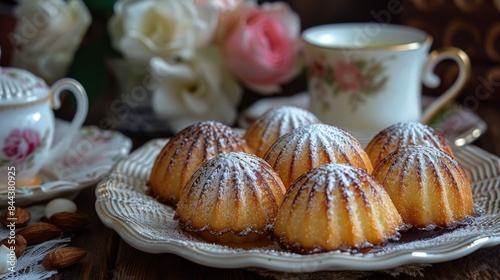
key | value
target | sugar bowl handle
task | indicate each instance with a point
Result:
(81, 112)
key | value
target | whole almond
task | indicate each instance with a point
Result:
(39, 232)
(18, 242)
(18, 217)
(69, 221)
(63, 257)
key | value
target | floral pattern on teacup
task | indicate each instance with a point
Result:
(21, 145)
(358, 78)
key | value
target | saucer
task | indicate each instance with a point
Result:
(92, 154)
(458, 125)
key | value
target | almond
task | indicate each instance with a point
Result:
(63, 257)
(69, 221)
(19, 217)
(18, 242)
(39, 232)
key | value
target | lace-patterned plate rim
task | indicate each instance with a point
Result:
(147, 225)
(92, 155)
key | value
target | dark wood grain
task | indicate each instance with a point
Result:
(100, 242)
(134, 264)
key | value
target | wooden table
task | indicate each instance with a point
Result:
(110, 257)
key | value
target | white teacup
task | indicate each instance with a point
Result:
(367, 76)
(28, 125)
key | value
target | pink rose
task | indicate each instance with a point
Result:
(20, 144)
(348, 76)
(262, 46)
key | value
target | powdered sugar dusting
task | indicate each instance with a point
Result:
(342, 175)
(316, 136)
(152, 228)
(228, 188)
(286, 118)
(428, 186)
(186, 152)
(273, 124)
(404, 134)
(341, 213)
(310, 146)
(217, 136)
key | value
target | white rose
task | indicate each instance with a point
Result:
(198, 89)
(142, 29)
(48, 33)
(223, 5)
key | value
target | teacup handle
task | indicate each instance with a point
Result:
(432, 80)
(81, 112)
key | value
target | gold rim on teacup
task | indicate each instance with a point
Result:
(329, 29)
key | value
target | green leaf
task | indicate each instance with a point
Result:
(374, 71)
(329, 75)
(361, 64)
(336, 91)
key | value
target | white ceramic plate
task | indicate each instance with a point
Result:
(123, 205)
(90, 157)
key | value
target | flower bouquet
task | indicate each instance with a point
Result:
(196, 56)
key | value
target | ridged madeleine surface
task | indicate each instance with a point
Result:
(335, 207)
(428, 187)
(310, 146)
(185, 152)
(401, 135)
(233, 197)
(273, 124)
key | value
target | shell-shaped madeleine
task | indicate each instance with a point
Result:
(335, 207)
(310, 146)
(233, 197)
(428, 186)
(185, 152)
(401, 135)
(273, 124)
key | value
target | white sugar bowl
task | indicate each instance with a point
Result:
(27, 124)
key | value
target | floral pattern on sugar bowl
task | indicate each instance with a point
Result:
(22, 145)
(358, 78)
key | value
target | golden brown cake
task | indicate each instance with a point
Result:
(185, 152)
(233, 197)
(428, 186)
(310, 146)
(273, 124)
(336, 207)
(404, 134)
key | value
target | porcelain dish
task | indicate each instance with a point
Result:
(124, 205)
(91, 155)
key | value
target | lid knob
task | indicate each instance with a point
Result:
(19, 86)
